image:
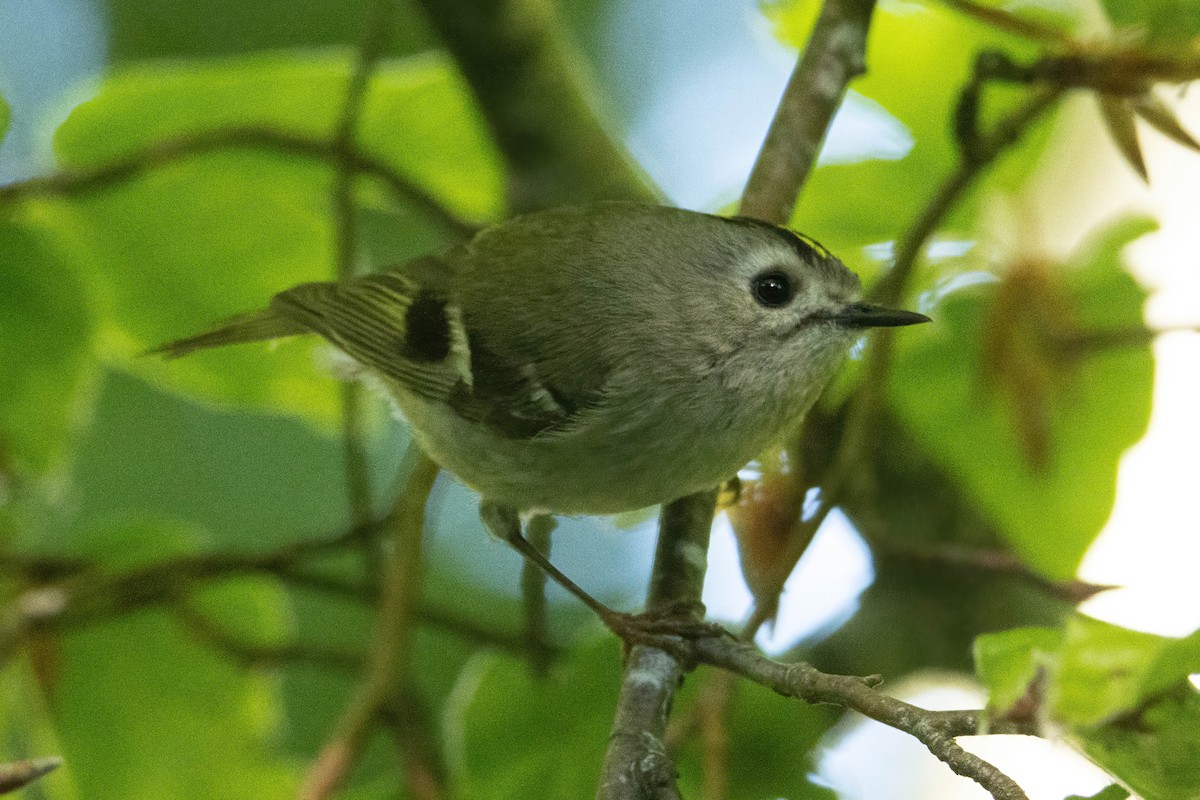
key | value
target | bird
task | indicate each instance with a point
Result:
(590, 359)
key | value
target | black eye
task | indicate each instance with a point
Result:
(773, 289)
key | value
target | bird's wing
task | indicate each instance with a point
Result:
(405, 331)
(409, 330)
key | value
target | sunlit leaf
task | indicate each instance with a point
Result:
(1121, 696)
(189, 244)
(1008, 662)
(1049, 515)
(1113, 791)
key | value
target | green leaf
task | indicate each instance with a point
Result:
(27, 722)
(1112, 792)
(1123, 697)
(45, 342)
(1163, 25)
(186, 245)
(1104, 671)
(1008, 662)
(513, 735)
(141, 30)
(180, 720)
(1049, 513)
(772, 744)
(1155, 752)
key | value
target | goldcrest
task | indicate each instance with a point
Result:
(594, 359)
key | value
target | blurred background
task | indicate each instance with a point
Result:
(126, 461)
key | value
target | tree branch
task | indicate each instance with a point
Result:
(935, 729)
(636, 765)
(835, 55)
(81, 180)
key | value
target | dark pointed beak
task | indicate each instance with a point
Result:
(864, 315)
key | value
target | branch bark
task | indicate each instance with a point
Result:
(636, 766)
(835, 55)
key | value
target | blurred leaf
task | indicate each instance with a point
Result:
(1121, 696)
(765, 521)
(1162, 24)
(27, 728)
(1119, 119)
(1008, 662)
(147, 712)
(153, 29)
(772, 741)
(1048, 515)
(513, 735)
(45, 342)
(194, 242)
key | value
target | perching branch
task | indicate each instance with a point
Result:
(636, 766)
(935, 729)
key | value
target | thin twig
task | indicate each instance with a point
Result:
(82, 180)
(891, 287)
(387, 658)
(935, 729)
(835, 55)
(68, 593)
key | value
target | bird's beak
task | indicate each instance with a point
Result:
(864, 315)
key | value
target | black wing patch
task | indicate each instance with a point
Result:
(509, 396)
(388, 323)
(414, 336)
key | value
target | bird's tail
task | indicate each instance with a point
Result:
(254, 326)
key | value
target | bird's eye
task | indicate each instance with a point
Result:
(773, 289)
